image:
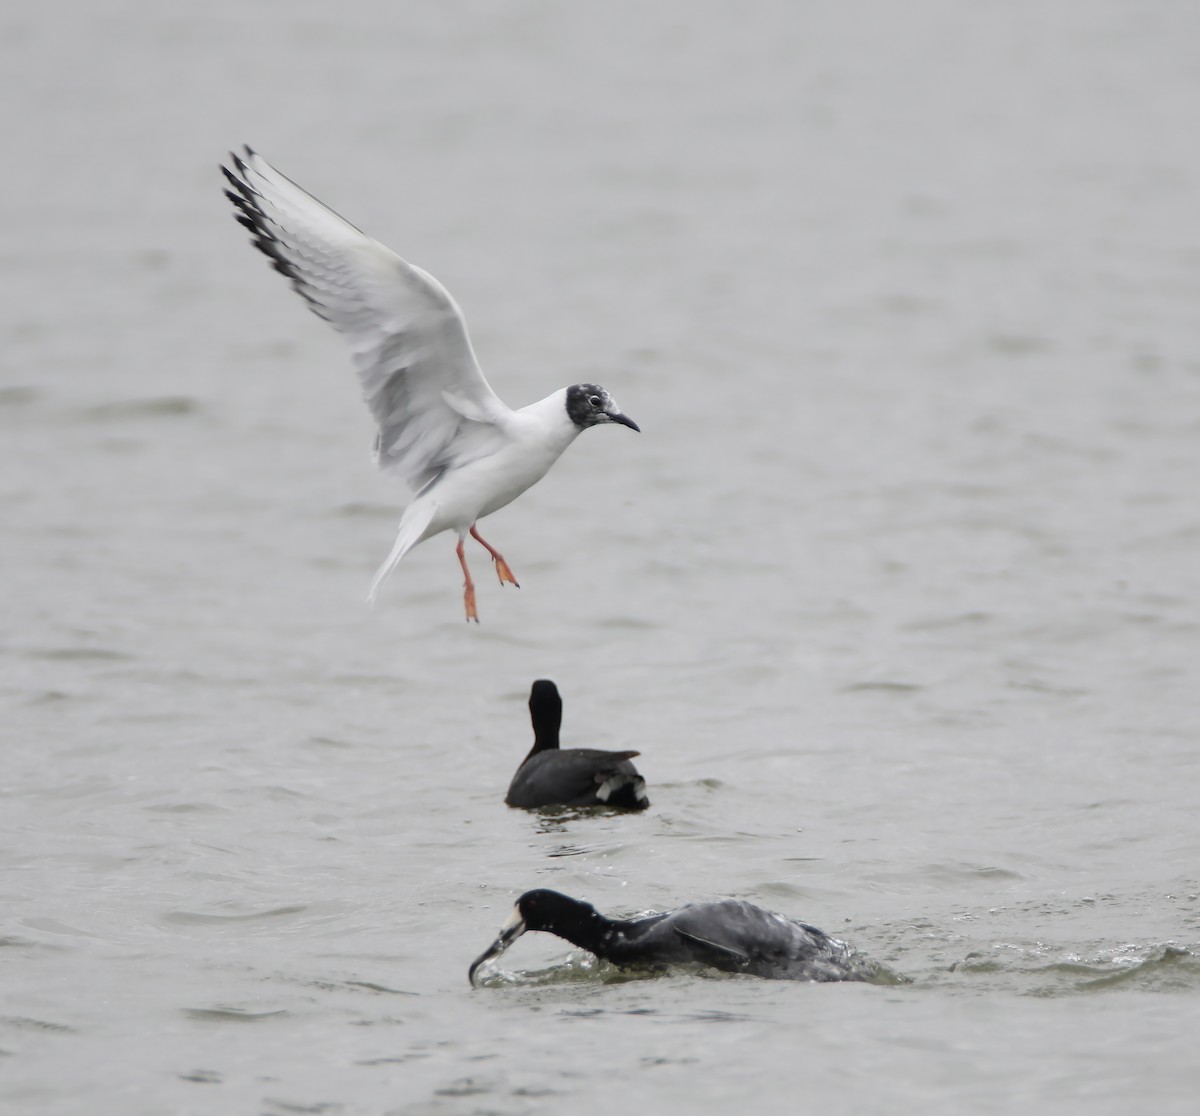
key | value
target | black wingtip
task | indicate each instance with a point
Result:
(238, 162)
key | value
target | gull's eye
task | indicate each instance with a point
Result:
(594, 400)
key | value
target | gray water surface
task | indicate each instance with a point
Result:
(898, 593)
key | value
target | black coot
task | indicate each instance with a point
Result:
(550, 776)
(730, 934)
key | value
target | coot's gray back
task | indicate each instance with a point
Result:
(578, 777)
(774, 945)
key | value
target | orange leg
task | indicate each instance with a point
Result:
(468, 585)
(502, 569)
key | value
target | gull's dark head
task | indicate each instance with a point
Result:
(590, 405)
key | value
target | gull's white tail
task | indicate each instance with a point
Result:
(416, 518)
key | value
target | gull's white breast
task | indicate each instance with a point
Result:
(535, 438)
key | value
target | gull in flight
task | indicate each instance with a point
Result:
(461, 450)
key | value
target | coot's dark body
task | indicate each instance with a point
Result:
(730, 934)
(553, 776)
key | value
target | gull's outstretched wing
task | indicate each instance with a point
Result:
(415, 362)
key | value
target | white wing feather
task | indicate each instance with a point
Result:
(418, 371)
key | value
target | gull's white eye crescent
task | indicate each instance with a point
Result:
(594, 400)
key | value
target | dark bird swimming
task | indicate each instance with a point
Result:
(729, 934)
(553, 776)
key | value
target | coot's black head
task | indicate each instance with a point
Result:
(547, 910)
(590, 405)
(545, 711)
(554, 912)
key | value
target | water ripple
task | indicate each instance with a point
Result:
(231, 1015)
(200, 918)
(168, 406)
(1167, 968)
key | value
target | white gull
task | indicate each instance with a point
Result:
(462, 451)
